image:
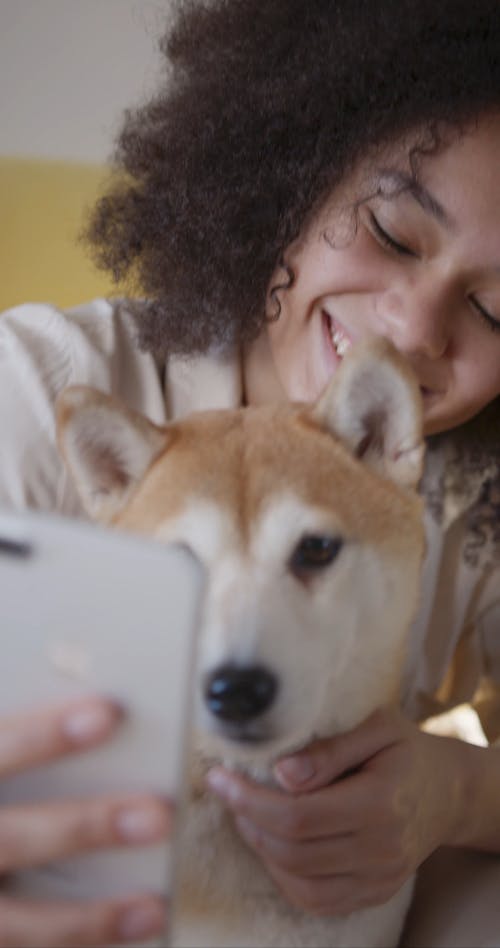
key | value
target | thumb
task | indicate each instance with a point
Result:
(325, 760)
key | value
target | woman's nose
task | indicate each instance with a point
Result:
(416, 320)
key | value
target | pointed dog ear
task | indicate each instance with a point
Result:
(374, 404)
(106, 446)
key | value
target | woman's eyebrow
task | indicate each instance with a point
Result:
(394, 182)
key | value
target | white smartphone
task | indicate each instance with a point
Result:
(87, 609)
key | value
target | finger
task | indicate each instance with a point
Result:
(327, 760)
(332, 895)
(322, 897)
(33, 835)
(312, 858)
(43, 925)
(35, 737)
(333, 810)
(352, 854)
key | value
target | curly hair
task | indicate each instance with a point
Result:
(264, 108)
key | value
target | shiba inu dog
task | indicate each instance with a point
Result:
(309, 524)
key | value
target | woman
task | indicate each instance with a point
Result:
(310, 172)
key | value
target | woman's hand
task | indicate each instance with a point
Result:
(31, 835)
(362, 810)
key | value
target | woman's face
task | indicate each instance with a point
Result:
(422, 268)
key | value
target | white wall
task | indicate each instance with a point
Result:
(68, 68)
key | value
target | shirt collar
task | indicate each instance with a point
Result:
(213, 380)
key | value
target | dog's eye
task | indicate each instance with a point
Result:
(314, 553)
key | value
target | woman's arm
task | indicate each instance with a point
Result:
(480, 826)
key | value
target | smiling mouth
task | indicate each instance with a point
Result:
(340, 340)
(342, 343)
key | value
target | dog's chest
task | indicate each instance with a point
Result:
(225, 897)
(219, 880)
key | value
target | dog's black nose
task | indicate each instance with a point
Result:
(240, 694)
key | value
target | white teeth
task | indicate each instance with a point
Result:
(342, 347)
(341, 343)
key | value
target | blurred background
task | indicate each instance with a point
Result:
(68, 69)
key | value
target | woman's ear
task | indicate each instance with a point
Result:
(106, 446)
(374, 405)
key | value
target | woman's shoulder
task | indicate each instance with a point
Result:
(42, 350)
(48, 317)
(95, 343)
(60, 339)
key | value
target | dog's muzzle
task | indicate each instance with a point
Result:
(238, 695)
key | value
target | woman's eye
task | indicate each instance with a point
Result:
(384, 238)
(314, 553)
(490, 321)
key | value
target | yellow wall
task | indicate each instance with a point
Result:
(42, 204)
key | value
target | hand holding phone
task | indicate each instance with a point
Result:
(89, 609)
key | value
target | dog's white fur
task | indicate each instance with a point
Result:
(242, 489)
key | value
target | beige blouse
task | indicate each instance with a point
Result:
(455, 640)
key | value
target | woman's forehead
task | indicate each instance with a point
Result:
(410, 166)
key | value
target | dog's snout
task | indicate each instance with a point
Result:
(240, 694)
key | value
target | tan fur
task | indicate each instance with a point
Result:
(241, 489)
(268, 450)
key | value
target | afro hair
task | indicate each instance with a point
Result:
(263, 109)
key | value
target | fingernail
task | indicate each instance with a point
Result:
(138, 921)
(141, 824)
(223, 786)
(295, 770)
(89, 722)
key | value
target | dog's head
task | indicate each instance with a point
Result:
(308, 522)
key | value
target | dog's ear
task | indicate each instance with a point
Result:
(106, 446)
(374, 404)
